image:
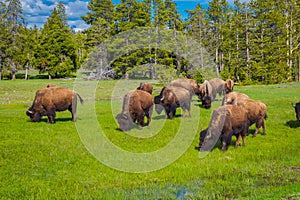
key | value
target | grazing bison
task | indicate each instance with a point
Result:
(297, 110)
(171, 98)
(226, 121)
(209, 90)
(256, 110)
(229, 84)
(257, 113)
(49, 100)
(136, 105)
(234, 98)
(217, 87)
(146, 87)
(189, 84)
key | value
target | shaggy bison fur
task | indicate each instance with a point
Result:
(226, 121)
(146, 87)
(234, 98)
(191, 85)
(136, 105)
(171, 98)
(50, 100)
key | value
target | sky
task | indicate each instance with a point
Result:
(37, 11)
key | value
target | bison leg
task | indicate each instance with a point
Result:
(72, 113)
(148, 115)
(140, 121)
(237, 142)
(51, 115)
(258, 124)
(264, 127)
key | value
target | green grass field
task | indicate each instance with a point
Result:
(54, 161)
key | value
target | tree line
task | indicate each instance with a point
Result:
(250, 42)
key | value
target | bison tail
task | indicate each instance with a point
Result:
(81, 100)
(266, 116)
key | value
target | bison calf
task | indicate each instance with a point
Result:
(49, 100)
(136, 105)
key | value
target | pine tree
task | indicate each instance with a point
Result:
(217, 16)
(15, 24)
(196, 26)
(3, 37)
(56, 53)
(101, 18)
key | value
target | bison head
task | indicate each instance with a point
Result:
(206, 102)
(125, 121)
(34, 115)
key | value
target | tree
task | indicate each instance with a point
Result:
(14, 24)
(217, 16)
(56, 52)
(101, 18)
(3, 37)
(196, 27)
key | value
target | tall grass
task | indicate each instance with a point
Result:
(49, 161)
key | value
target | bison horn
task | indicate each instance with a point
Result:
(29, 111)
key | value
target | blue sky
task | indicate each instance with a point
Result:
(37, 11)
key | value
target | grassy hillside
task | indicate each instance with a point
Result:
(44, 161)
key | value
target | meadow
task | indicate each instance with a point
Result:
(53, 161)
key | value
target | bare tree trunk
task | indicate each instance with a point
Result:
(217, 61)
(49, 76)
(26, 71)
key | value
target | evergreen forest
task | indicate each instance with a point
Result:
(251, 42)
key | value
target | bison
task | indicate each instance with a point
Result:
(234, 98)
(136, 105)
(209, 90)
(146, 87)
(50, 100)
(297, 110)
(257, 113)
(229, 84)
(226, 121)
(256, 110)
(191, 85)
(171, 98)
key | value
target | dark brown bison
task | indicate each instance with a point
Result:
(256, 110)
(50, 100)
(234, 98)
(229, 84)
(171, 98)
(297, 110)
(136, 105)
(226, 121)
(191, 85)
(146, 87)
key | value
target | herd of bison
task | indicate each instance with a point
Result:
(237, 113)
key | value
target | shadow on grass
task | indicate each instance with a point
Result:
(293, 123)
(44, 120)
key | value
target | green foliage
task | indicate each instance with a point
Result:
(56, 53)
